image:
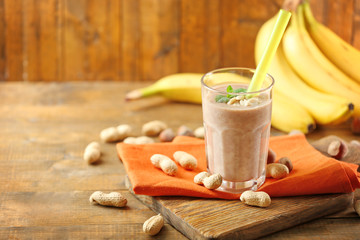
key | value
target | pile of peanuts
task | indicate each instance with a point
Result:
(125, 133)
(274, 169)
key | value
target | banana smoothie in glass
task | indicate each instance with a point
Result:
(237, 127)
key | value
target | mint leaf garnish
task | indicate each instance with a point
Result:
(221, 99)
(229, 89)
(239, 90)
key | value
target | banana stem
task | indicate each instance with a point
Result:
(300, 17)
(309, 16)
(291, 5)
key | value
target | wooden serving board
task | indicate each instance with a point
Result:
(199, 218)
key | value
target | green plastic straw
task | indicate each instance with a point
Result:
(271, 47)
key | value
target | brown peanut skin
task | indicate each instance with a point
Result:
(167, 135)
(355, 125)
(271, 156)
(322, 145)
(287, 162)
(185, 131)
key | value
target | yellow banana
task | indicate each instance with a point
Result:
(180, 87)
(288, 115)
(186, 87)
(341, 53)
(324, 108)
(313, 67)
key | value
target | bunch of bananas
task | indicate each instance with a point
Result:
(316, 78)
(306, 72)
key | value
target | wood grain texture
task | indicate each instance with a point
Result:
(2, 42)
(223, 219)
(130, 41)
(356, 25)
(42, 40)
(324, 228)
(13, 34)
(45, 183)
(74, 47)
(200, 48)
(340, 14)
(102, 39)
(141, 40)
(113, 43)
(319, 9)
(159, 21)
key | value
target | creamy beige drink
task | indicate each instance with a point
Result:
(237, 129)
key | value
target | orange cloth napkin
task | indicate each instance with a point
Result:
(313, 173)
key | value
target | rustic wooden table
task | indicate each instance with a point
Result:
(45, 184)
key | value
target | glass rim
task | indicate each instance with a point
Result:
(236, 68)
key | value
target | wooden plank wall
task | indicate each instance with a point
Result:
(140, 40)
